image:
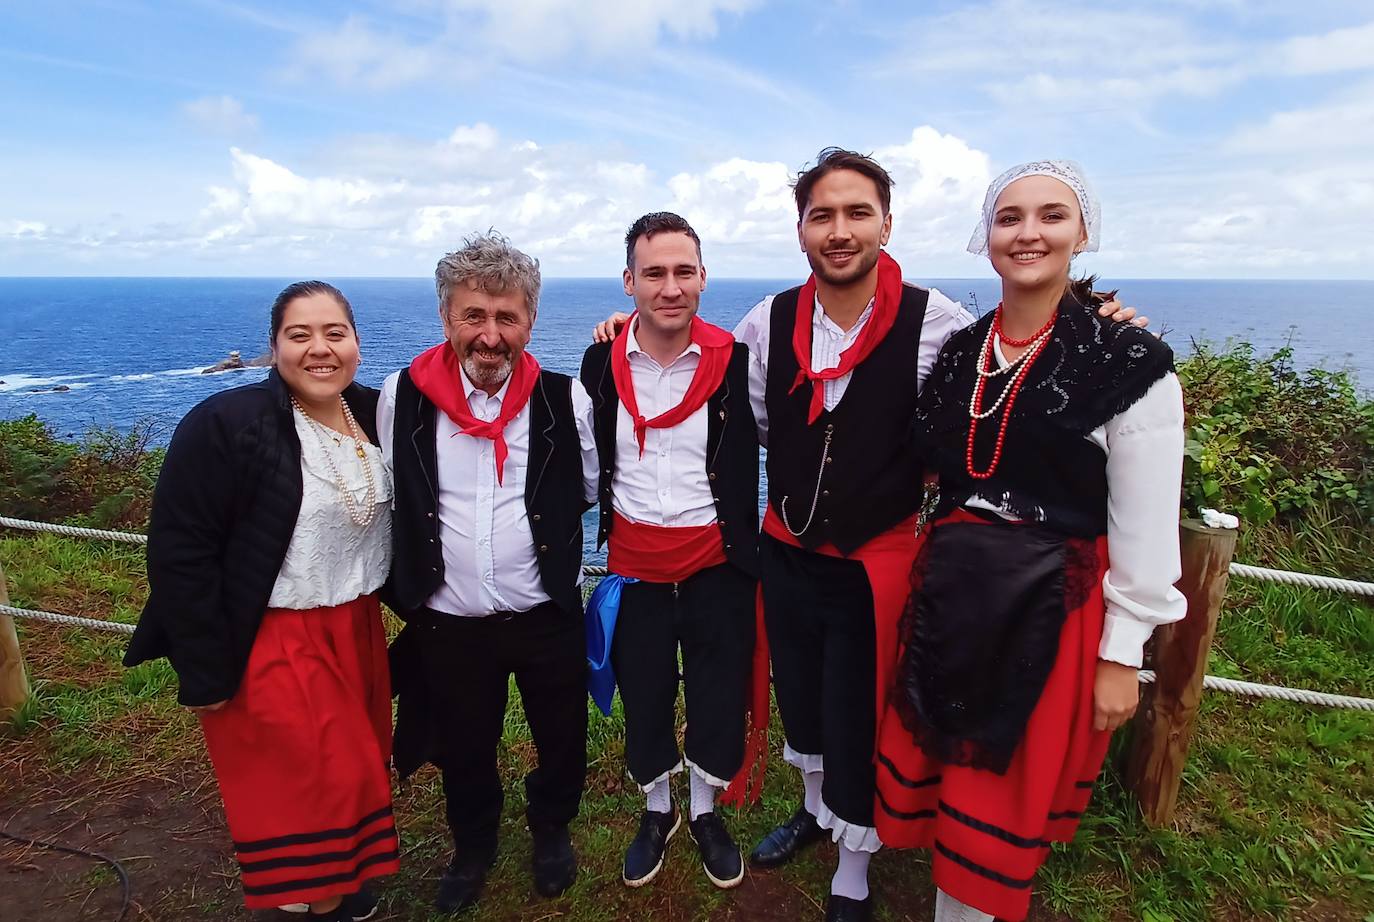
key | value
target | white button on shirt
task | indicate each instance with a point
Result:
(490, 563)
(668, 485)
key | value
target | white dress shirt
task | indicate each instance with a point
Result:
(668, 485)
(943, 319)
(330, 560)
(1144, 448)
(490, 563)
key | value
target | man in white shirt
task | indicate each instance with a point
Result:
(679, 506)
(494, 462)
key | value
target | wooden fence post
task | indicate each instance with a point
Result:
(14, 681)
(1168, 708)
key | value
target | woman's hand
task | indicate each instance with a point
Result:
(1116, 692)
(209, 708)
(1122, 314)
(608, 329)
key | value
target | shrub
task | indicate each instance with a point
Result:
(1271, 443)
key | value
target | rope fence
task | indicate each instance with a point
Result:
(1147, 677)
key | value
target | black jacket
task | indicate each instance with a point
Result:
(553, 496)
(224, 509)
(732, 451)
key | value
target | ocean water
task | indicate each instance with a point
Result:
(129, 349)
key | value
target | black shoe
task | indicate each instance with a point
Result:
(361, 905)
(782, 844)
(553, 861)
(338, 914)
(843, 909)
(644, 857)
(719, 854)
(462, 882)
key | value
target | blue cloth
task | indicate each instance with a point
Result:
(602, 610)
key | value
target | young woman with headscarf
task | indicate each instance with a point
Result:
(270, 536)
(1057, 438)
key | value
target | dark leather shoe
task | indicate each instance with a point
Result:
(362, 905)
(462, 882)
(644, 857)
(720, 855)
(843, 909)
(553, 861)
(782, 844)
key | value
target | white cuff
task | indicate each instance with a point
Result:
(704, 775)
(1123, 639)
(646, 788)
(852, 836)
(806, 762)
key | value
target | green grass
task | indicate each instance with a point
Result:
(1276, 811)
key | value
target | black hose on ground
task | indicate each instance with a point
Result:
(83, 853)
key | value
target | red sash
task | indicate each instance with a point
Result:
(887, 559)
(716, 345)
(439, 376)
(660, 554)
(885, 302)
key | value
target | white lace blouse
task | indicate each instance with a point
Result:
(330, 560)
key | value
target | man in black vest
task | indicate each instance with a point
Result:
(679, 505)
(494, 462)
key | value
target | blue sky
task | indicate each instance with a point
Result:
(1227, 138)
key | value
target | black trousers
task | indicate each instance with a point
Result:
(710, 616)
(468, 663)
(818, 611)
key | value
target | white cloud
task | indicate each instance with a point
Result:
(1344, 123)
(222, 115)
(355, 54)
(1335, 51)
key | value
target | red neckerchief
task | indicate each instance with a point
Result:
(715, 344)
(885, 301)
(439, 376)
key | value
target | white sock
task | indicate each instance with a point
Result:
(812, 782)
(851, 877)
(703, 795)
(660, 797)
(948, 909)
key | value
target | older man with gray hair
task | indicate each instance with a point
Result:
(494, 463)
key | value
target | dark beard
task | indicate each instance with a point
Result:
(850, 277)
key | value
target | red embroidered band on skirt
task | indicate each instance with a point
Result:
(990, 833)
(301, 755)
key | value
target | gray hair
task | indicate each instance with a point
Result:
(489, 262)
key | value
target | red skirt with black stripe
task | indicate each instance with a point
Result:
(301, 753)
(989, 833)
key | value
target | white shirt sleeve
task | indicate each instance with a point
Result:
(386, 418)
(943, 319)
(582, 415)
(753, 332)
(1144, 471)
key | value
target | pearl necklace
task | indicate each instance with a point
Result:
(1034, 346)
(360, 517)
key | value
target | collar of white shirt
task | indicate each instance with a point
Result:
(819, 318)
(632, 345)
(469, 389)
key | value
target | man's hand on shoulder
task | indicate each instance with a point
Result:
(1118, 312)
(609, 329)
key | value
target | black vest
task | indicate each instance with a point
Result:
(1091, 370)
(553, 495)
(871, 477)
(732, 451)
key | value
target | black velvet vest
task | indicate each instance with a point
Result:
(553, 495)
(871, 476)
(1091, 370)
(732, 451)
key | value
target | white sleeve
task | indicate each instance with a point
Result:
(386, 418)
(943, 319)
(753, 332)
(1144, 471)
(582, 415)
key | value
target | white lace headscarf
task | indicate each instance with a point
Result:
(1067, 172)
